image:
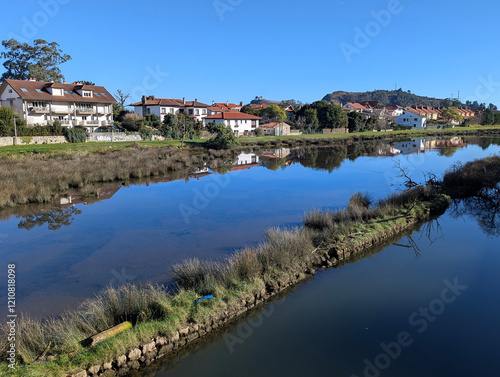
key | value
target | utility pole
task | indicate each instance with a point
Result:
(184, 133)
(15, 131)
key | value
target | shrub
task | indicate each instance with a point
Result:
(76, 135)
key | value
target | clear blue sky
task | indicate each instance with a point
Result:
(275, 49)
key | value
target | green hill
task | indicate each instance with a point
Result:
(386, 97)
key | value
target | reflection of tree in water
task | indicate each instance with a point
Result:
(448, 151)
(55, 218)
(484, 207)
(320, 158)
(364, 148)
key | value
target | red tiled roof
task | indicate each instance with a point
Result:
(37, 90)
(357, 106)
(170, 102)
(273, 124)
(232, 115)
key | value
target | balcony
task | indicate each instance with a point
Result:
(85, 111)
(40, 110)
(92, 122)
(66, 122)
(61, 110)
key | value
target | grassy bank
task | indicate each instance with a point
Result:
(41, 178)
(245, 141)
(238, 283)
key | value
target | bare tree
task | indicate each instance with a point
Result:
(121, 97)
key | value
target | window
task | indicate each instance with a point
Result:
(10, 90)
(65, 92)
(204, 111)
(97, 94)
(197, 111)
(38, 90)
(87, 94)
(171, 110)
(190, 111)
(103, 94)
(163, 110)
(24, 89)
(84, 118)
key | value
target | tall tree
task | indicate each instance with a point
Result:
(40, 61)
(121, 97)
(451, 113)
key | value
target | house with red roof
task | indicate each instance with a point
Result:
(242, 124)
(393, 110)
(161, 107)
(353, 106)
(276, 128)
(41, 103)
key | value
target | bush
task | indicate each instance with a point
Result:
(224, 138)
(76, 135)
(146, 134)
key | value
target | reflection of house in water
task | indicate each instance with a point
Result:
(276, 153)
(201, 172)
(104, 193)
(416, 145)
(386, 150)
(442, 143)
(246, 161)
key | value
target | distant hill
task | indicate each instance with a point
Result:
(260, 101)
(386, 97)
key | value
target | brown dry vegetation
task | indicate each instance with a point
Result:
(42, 178)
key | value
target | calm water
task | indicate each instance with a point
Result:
(335, 324)
(135, 234)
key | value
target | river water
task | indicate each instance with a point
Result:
(332, 325)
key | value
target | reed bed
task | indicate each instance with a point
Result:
(40, 178)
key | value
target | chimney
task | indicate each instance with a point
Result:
(143, 100)
(227, 103)
(241, 103)
(213, 103)
(184, 100)
(196, 100)
(64, 82)
(52, 81)
(32, 79)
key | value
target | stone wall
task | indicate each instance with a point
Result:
(32, 140)
(335, 131)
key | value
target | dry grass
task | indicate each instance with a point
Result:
(41, 178)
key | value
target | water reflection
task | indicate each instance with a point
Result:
(484, 207)
(55, 218)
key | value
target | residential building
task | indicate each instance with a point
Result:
(276, 128)
(409, 147)
(356, 107)
(161, 107)
(412, 118)
(393, 110)
(242, 124)
(41, 103)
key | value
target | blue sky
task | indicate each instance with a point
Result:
(237, 49)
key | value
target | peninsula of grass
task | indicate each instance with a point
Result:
(165, 320)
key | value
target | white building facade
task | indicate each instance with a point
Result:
(242, 124)
(411, 119)
(41, 103)
(161, 107)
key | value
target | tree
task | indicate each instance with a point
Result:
(224, 138)
(311, 117)
(488, 117)
(86, 82)
(356, 122)
(247, 109)
(451, 114)
(121, 97)
(491, 106)
(39, 61)
(7, 116)
(275, 112)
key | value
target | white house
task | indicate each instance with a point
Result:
(40, 103)
(412, 146)
(412, 118)
(242, 124)
(163, 106)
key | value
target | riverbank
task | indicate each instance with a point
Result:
(198, 144)
(48, 173)
(166, 321)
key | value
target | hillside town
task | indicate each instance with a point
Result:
(94, 109)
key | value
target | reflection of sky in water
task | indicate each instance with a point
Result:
(140, 232)
(329, 325)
